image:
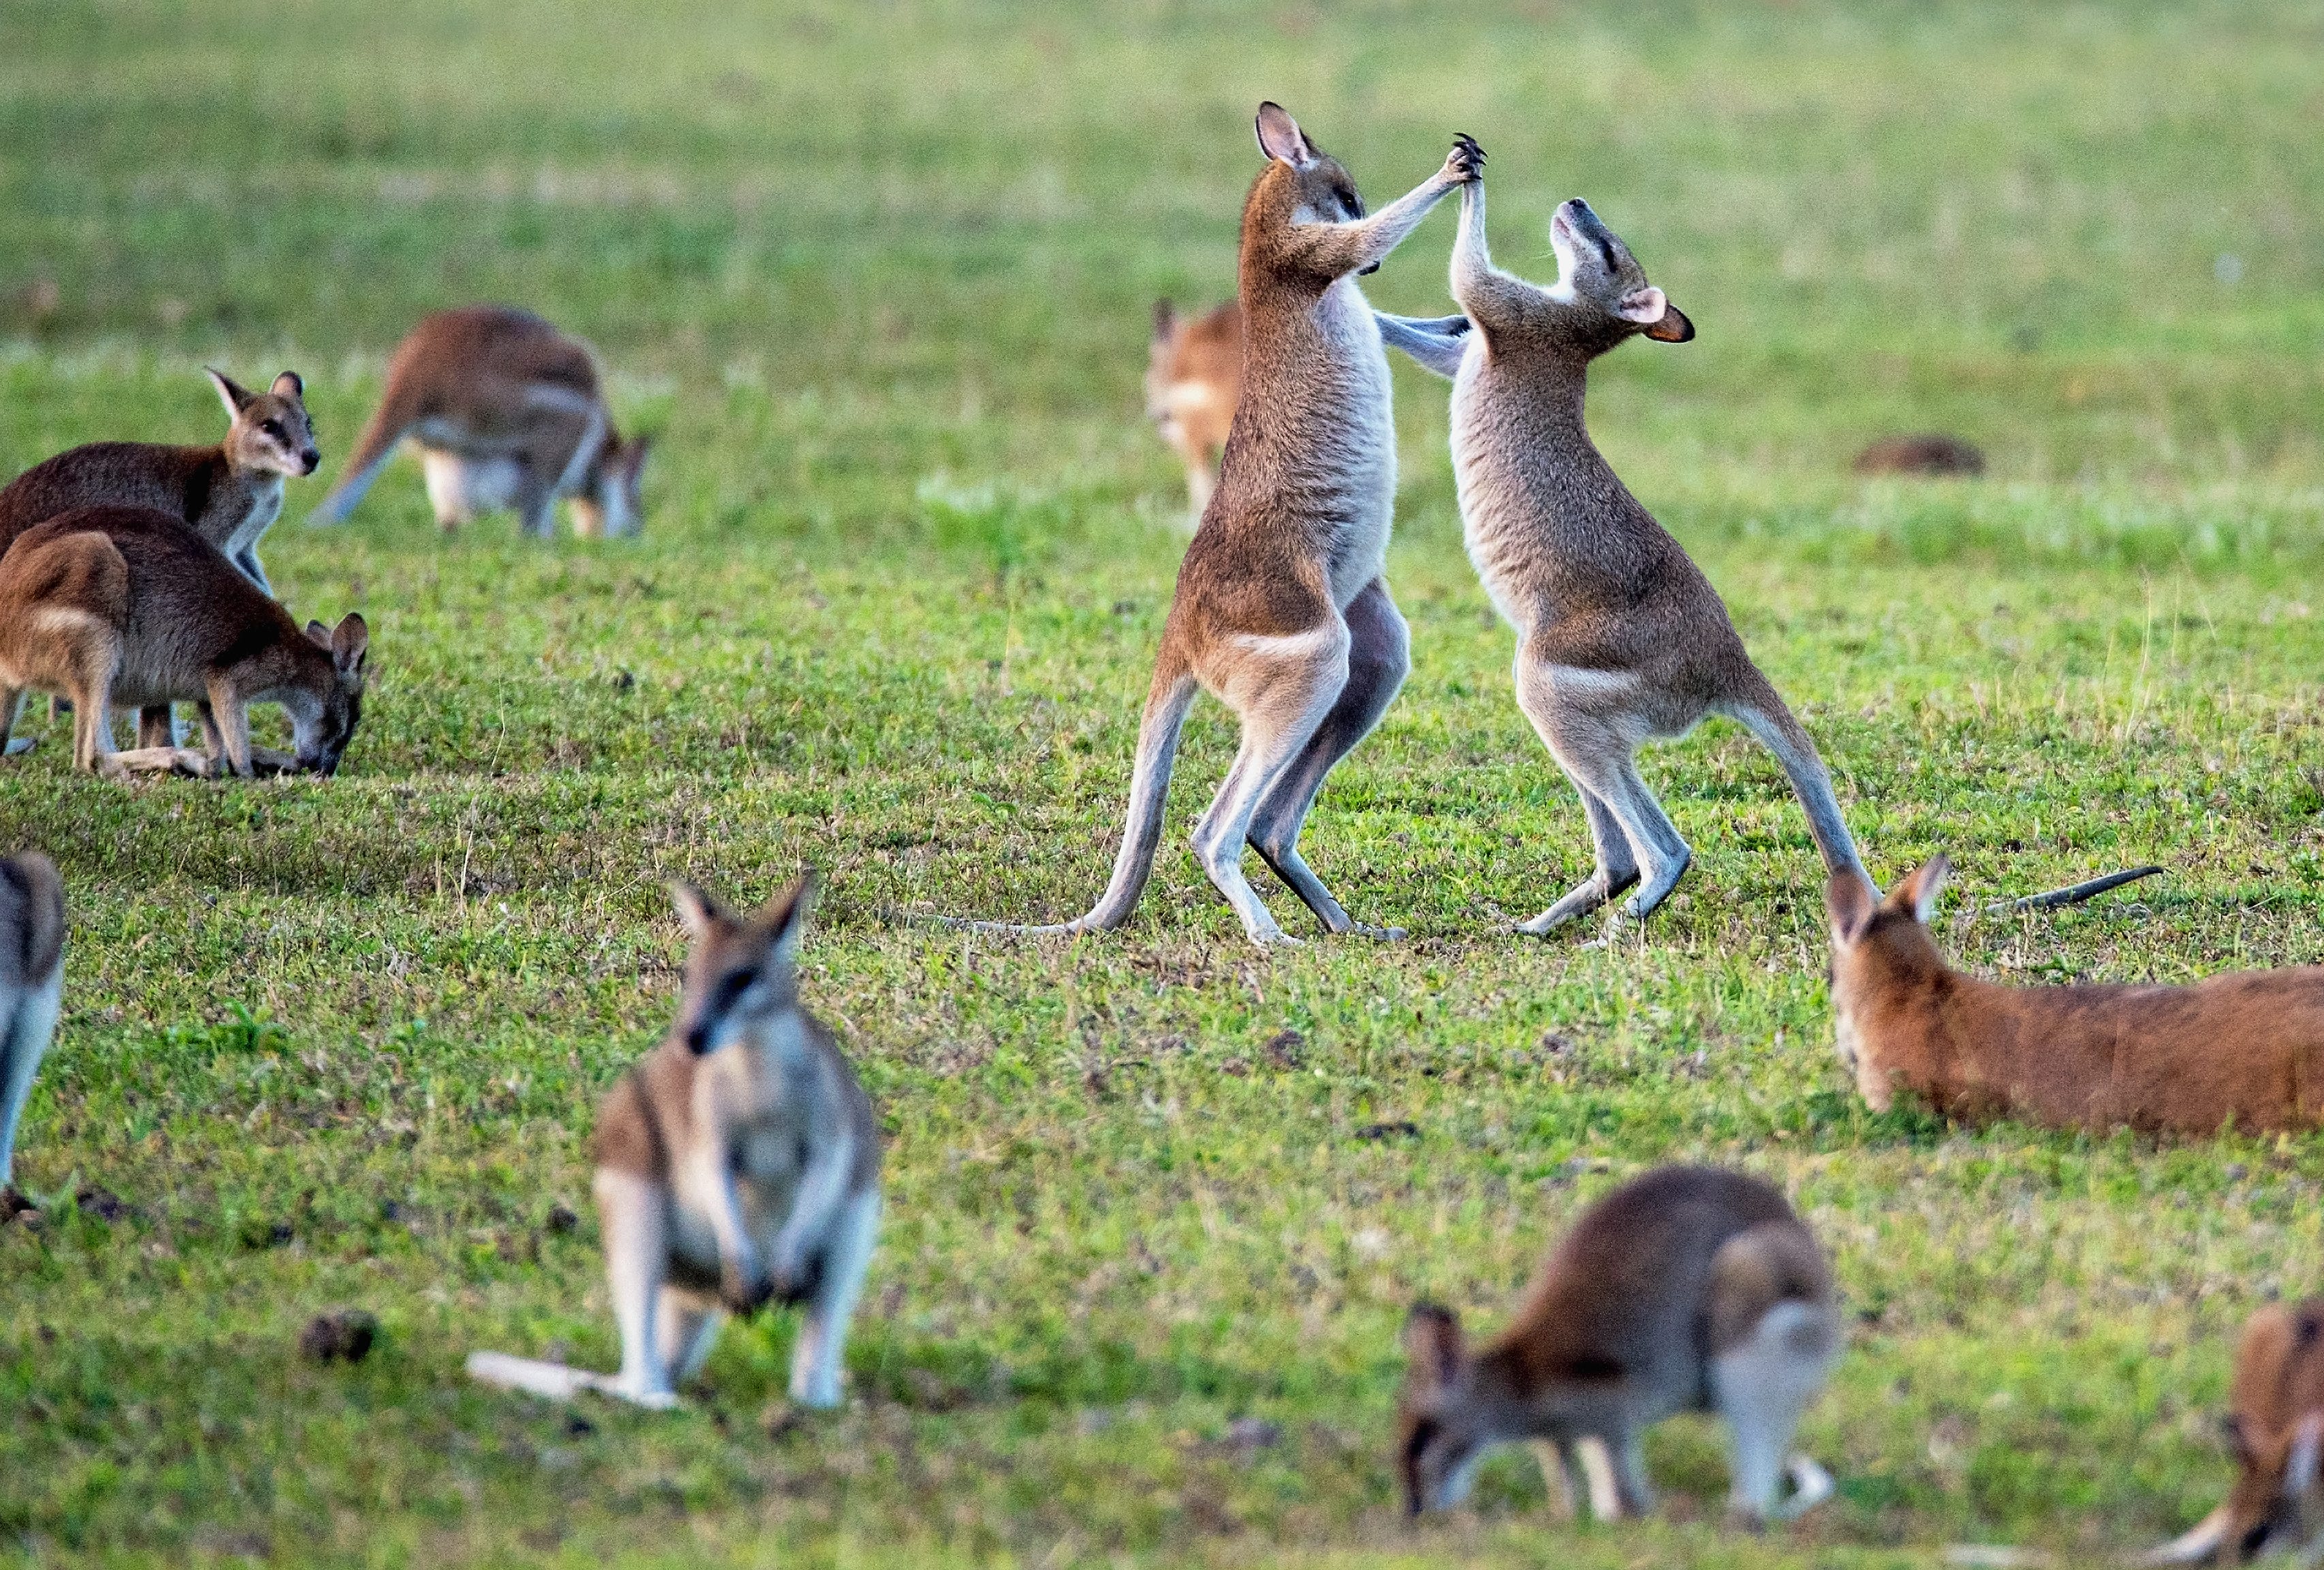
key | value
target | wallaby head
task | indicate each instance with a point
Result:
(1881, 952)
(743, 970)
(270, 432)
(608, 504)
(323, 717)
(2275, 1430)
(1309, 182)
(1442, 1424)
(1604, 290)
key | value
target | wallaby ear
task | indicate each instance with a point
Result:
(1672, 328)
(784, 918)
(698, 907)
(288, 386)
(1850, 901)
(1281, 138)
(351, 643)
(1165, 321)
(234, 396)
(318, 635)
(1918, 892)
(1644, 306)
(1434, 1349)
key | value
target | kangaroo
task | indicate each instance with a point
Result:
(738, 1163)
(1281, 609)
(127, 606)
(1687, 1290)
(506, 412)
(2245, 1048)
(1194, 379)
(1620, 638)
(2275, 1427)
(32, 990)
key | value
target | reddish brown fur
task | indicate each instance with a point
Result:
(1193, 381)
(2275, 1413)
(1941, 456)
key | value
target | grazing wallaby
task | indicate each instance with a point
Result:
(2275, 1427)
(506, 412)
(2245, 1048)
(737, 1164)
(127, 606)
(1687, 1290)
(1281, 609)
(31, 990)
(1620, 638)
(1194, 379)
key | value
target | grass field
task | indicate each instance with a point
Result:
(879, 276)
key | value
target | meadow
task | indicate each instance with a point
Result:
(878, 276)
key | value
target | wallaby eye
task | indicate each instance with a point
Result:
(273, 428)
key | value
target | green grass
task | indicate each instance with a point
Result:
(879, 276)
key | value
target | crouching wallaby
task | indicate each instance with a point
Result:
(506, 412)
(127, 606)
(1620, 638)
(1281, 609)
(31, 990)
(1194, 380)
(1688, 1289)
(738, 1164)
(2275, 1429)
(2244, 1048)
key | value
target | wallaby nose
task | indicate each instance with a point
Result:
(312, 459)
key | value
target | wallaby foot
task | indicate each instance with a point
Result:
(158, 760)
(265, 761)
(1657, 886)
(1579, 901)
(22, 745)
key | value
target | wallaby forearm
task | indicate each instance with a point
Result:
(1490, 297)
(1342, 248)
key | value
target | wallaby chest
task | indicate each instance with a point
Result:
(1362, 513)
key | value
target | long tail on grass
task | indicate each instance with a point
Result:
(2198, 1543)
(2080, 891)
(553, 1380)
(1766, 716)
(377, 444)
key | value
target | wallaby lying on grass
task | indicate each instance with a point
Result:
(1194, 380)
(127, 606)
(2275, 1427)
(737, 1164)
(1688, 1289)
(32, 990)
(506, 412)
(1620, 638)
(2244, 1048)
(1280, 608)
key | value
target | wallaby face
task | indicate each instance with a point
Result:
(1323, 190)
(32, 992)
(742, 972)
(2275, 1429)
(1603, 286)
(1441, 1432)
(322, 723)
(611, 507)
(270, 432)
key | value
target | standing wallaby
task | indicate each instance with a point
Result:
(737, 1164)
(2275, 1427)
(1687, 1290)
(127, 606)
(32, 990)
(1281, 609)
(1194, 380)
(506, 412)
(1620, 638)
(2244, 1048)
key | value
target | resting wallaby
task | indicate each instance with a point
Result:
(1281, 609)
(1620, 638)
(127, 606)
(2245, 1048)
(1194, 380)
(2275, 1427)
(738, 1163)
(32, 990)
(506, 412)
(1687, 1290)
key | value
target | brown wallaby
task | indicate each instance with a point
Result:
(1687, 1290)
(127, 606)
(2244, 1048)
(506, 412)
(737, 1164)
(1194, 380)
(1620, 638)
(1281, 609)
(32, 990)
(2275, 1427)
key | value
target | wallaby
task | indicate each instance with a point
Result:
(2275, 1426)
(1687, 1290)
(32, 990)
(2244, 1048)
(738, 1163)
(1620, 638)
(1281, 609)
(506, 412)
(1194, 379)
(127, 606)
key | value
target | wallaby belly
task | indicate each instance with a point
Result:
(1363, 471)
(466, 487)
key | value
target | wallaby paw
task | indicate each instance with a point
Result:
(1382, 934)
(1275, 938)
(1466, 162)
(19, 745)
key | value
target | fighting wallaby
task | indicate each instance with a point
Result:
(2275, 1427)
(1620, 638)
(127, 606)
(738, 1163)
(1281, 609)
(506, 412)
(1688, 1289)
(32, 990)
(1194, 380)
(2244, 1048)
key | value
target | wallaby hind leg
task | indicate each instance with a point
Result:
(1578, 715)
(685, 1330)
(633, 1215)
(157, 725)
(23, 1041)
(1660, 847)
(1379, 659)
(818, 1359)
(1616, 869)
(11, 699)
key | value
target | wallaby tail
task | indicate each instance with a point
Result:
(1768, 717)
(553, 1380)
(373, 448)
